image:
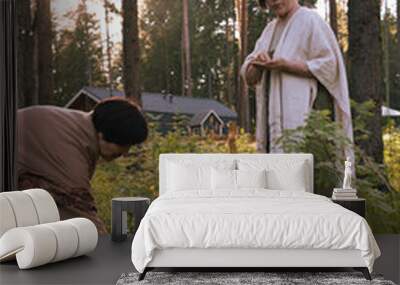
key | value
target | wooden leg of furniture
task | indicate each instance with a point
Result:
(364, 271)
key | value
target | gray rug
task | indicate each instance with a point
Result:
(243, 278)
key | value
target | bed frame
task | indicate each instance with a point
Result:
(246, 259)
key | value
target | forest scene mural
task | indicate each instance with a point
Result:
(176, 65)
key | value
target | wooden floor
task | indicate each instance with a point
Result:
(110, 260)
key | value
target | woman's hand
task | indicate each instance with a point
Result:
(254, 71)
(253, 75)
(261, 57)
(299, 68)
(271, 64)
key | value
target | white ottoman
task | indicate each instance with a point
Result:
(31, 232)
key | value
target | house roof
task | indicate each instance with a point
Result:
(160, 103)
(199, 118)
(196, 119)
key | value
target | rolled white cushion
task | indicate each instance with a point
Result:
(45, 205)
(7, 218)
(23, 208)
(33, 246)
(87, 235)
(37, 245)
(67, 240)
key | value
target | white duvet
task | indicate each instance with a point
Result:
(250, 219)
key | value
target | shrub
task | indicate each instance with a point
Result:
(326, 141)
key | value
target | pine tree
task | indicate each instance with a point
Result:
(229, 62)
(396, 98)
(186, 55)
(243, 93)
(107, 20)
(333, 17)
(213, 58)
(365, 63)
(393, 61)
(161, 26)
(26, 83)
(398, 26)
(44, 51)
(78, 55)
(131, 50)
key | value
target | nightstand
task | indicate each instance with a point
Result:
(355, 205)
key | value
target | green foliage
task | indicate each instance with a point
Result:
(325, 140)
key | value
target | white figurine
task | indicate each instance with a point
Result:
(347, 174)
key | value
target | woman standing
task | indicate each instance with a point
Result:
(295, 51)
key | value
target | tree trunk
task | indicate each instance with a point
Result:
(183, 67)
(235, 62)
(229, 64)
(398, 29)
(365, 60)
(398, 48)
(187, 83)
(333, 16)
(243, 102)
(386, 55)
(44, 51)
(130, 49)
(25, 54)
(108, 46)
(87, 52)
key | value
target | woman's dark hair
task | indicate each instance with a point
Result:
(120, 121)
(262, 4)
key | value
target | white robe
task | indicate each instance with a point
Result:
(307, 38)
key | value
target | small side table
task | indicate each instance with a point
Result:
(355, 205)
(137, 206)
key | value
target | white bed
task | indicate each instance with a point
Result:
(249, 226)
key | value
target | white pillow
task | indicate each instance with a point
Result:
(190, 174)
(183, 177)
(226, 179)
(283, 174)
(223, 179)
(251, 178)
